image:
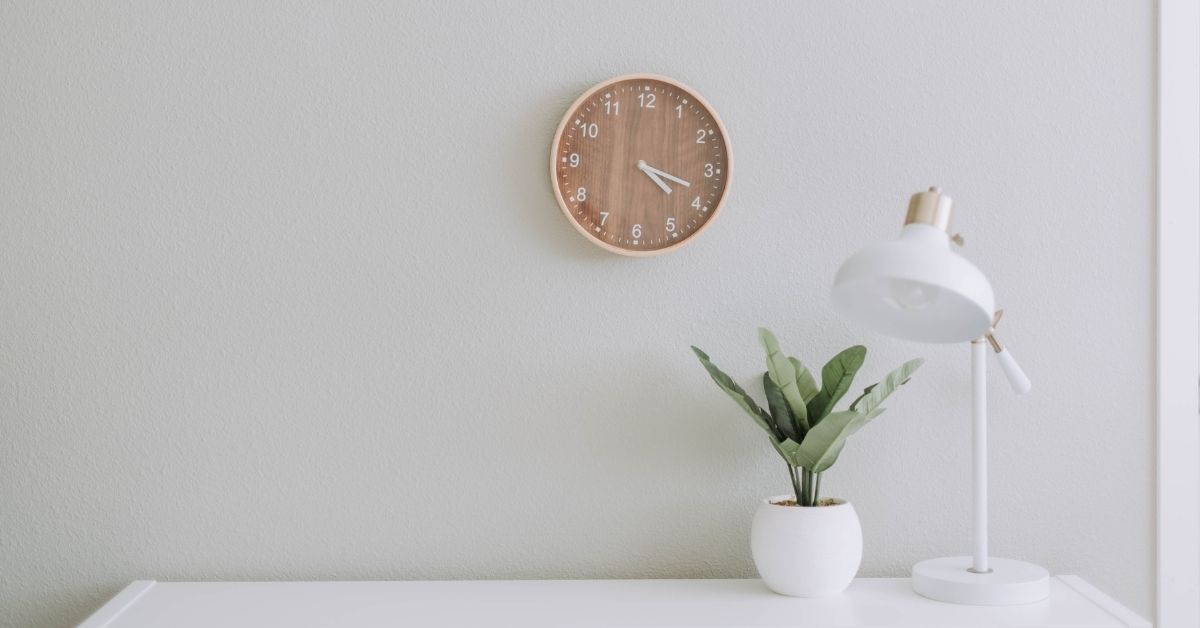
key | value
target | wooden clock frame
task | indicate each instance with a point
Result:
(570, 114)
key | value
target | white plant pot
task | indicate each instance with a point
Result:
(806, 552)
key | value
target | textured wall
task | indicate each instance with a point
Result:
(284, 292)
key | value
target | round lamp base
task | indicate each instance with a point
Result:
(1009, 582)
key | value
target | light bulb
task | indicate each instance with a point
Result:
(912, 295)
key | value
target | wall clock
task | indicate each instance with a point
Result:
(640, 164)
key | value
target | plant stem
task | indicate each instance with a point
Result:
(796, 483)
(817, 489)
(806, 486)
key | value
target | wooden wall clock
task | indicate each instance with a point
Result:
(640, 164)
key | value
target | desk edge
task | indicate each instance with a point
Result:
(112, 609)
(1102, 600)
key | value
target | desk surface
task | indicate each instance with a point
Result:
(873, 602)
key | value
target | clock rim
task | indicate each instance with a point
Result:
(562, 125)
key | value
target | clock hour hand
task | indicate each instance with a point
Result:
(667, 176)
(650, 172)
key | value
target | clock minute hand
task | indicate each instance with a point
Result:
(650, 172)
(669, 176)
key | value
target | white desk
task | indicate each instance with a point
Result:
(873, 602)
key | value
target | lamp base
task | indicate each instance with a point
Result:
(1010, 582)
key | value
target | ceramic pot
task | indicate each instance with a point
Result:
(806, 552)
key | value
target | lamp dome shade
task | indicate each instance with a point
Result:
(915, 287)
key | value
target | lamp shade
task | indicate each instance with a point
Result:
(915, 287)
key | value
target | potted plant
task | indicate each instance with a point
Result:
(805, 545)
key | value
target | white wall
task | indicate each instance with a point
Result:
(284, 292)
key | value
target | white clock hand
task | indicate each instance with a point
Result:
(668, 176)
(653, 177)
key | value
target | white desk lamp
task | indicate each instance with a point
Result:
(916, 287)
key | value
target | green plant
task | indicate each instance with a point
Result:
(800, 419)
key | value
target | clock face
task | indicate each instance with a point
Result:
(640, 164)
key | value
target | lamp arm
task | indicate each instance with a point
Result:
(1012, 370)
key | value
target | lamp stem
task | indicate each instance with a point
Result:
(979, 510)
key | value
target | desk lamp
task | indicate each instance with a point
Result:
(918, 288)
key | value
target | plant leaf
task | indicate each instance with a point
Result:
(836, 377)
(876, 393)
(788, 449)
(836, 451)
(735, 392)
(824, 442)
(804, 380)
(781, 371)
(786, 427)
